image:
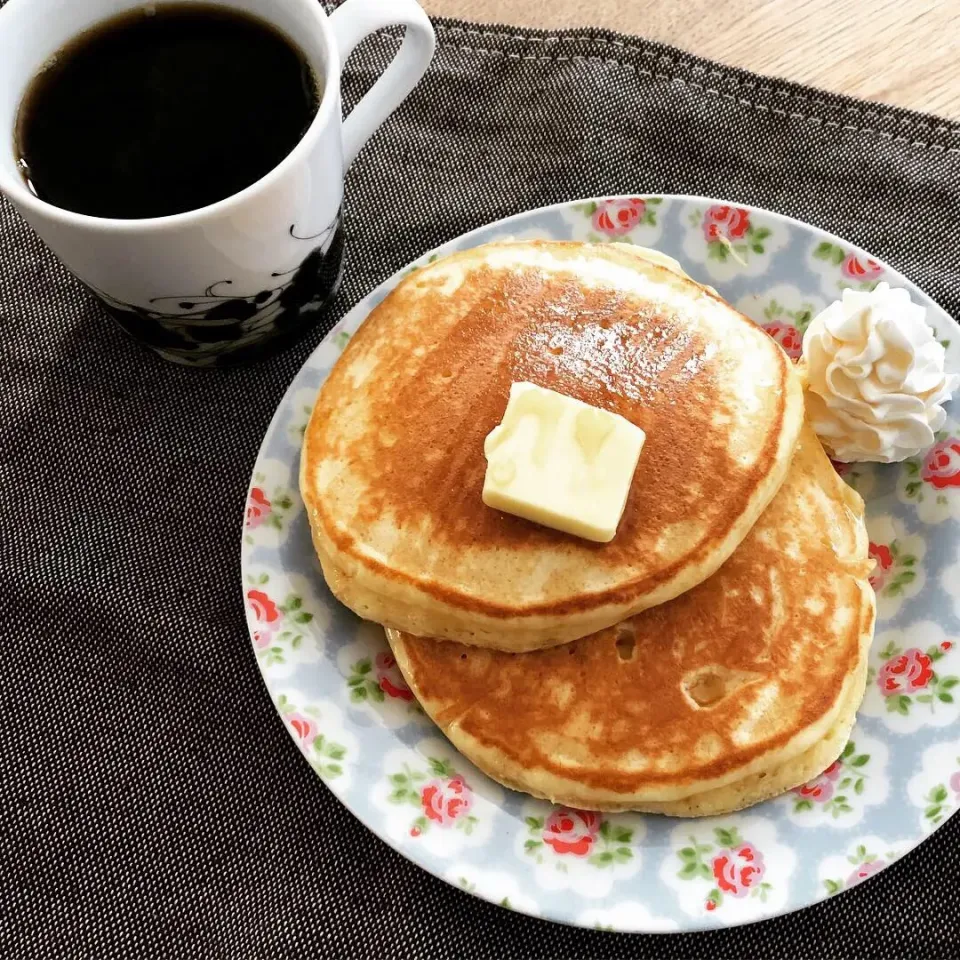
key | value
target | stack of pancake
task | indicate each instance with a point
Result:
(714, 653)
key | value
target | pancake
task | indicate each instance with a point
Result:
(738, 690)
(392, 466)
(770, 783)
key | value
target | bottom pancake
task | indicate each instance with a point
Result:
(734, 692)
(768, 784)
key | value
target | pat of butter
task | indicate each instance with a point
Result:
(561, 463)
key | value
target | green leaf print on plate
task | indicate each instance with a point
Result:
(361, 683)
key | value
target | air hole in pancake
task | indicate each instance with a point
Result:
(556, 351)
(626, 642)
(709, 686)
(571, 648)
(446, 374)
(463, 656)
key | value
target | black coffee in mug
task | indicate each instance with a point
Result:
(163, 109)
(145, 121)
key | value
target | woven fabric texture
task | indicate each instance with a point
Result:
(151, 804)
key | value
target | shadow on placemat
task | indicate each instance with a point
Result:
(157, 806)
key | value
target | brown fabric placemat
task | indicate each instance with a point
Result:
(151, 804)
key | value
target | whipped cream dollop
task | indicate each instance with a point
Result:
(876, 379)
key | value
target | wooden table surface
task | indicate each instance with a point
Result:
(903, 52)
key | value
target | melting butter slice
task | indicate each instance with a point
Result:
(561, 463)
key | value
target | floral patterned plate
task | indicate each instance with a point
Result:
(339, 691)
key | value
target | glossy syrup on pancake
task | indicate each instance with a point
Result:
(741, 677)
(586, 344)
(393, 463)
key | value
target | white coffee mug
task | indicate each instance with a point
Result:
(213, 284)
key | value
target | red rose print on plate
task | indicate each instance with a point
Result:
(724, 222)
(856, 270)
(820, 789)
(737, 871)
(839, 789)
(898, 569)
(618, 216)
(571, 831)
(264, 609)
(860, 268)
(445, 801)
(732, 864)
(905, 672)
(865, 865)
(390, 679)
(312, 734)
(883, 556)
(569, 836)
(442, 796)
(788, 336)
(941, 466)
(258, 508)
(865, 870)
(277, 630)
(270, 504)
(303, 728)
(914, 682)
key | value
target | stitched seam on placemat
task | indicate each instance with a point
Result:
(711, 91)
(668, 60)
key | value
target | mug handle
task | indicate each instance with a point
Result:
(357, 19)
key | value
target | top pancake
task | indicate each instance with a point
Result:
(735, 691)
(393, 464)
